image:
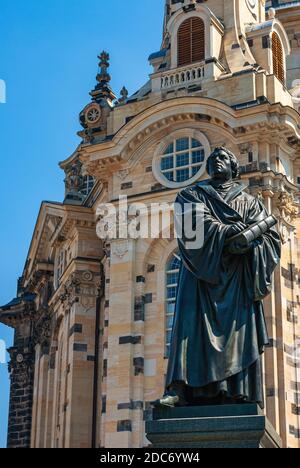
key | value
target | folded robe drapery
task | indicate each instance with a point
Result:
(219, 330)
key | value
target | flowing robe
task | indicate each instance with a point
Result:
(219, 330)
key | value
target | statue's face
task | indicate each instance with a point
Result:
(220, 166)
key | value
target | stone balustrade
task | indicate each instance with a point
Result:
(183, 76)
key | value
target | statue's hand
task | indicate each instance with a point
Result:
(235, 229)
(236, 249)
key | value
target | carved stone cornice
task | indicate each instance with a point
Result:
(110, 162)
(269, 123)
(17, 314)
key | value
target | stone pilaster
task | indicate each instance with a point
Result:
(70, 389)
(122, 342)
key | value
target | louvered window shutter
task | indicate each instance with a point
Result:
(278, 58)
(191, 42)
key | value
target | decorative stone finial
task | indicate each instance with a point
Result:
(103, 89)
(272, 13)
(124, 95)
(103, 75)
(93, 118)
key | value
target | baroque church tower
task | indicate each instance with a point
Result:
(93, 317)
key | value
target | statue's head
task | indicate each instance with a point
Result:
(223, 164)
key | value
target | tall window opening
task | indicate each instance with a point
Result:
(278, 58)
(172, 270)
(191, 41)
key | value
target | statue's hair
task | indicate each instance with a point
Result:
(235, 165)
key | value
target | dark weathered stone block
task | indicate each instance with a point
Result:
(80, 347)
(134, 340)
(232, 426)
(124, 426)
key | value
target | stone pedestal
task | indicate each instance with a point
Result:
(232, 426)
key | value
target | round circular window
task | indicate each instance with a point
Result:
(181, 159)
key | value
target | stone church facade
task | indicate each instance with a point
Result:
(92, 316)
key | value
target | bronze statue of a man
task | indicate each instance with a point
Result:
(219, 331)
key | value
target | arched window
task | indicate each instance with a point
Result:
(278, 58)
(191, 41)
(172, 271)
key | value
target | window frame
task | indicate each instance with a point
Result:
(278, 58)
(190, 48)
(213, 28)
(170, 300)
(160, 153)
(182, 159)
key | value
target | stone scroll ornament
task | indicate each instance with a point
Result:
(219, 332)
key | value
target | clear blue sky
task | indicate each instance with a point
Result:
(48, 59)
